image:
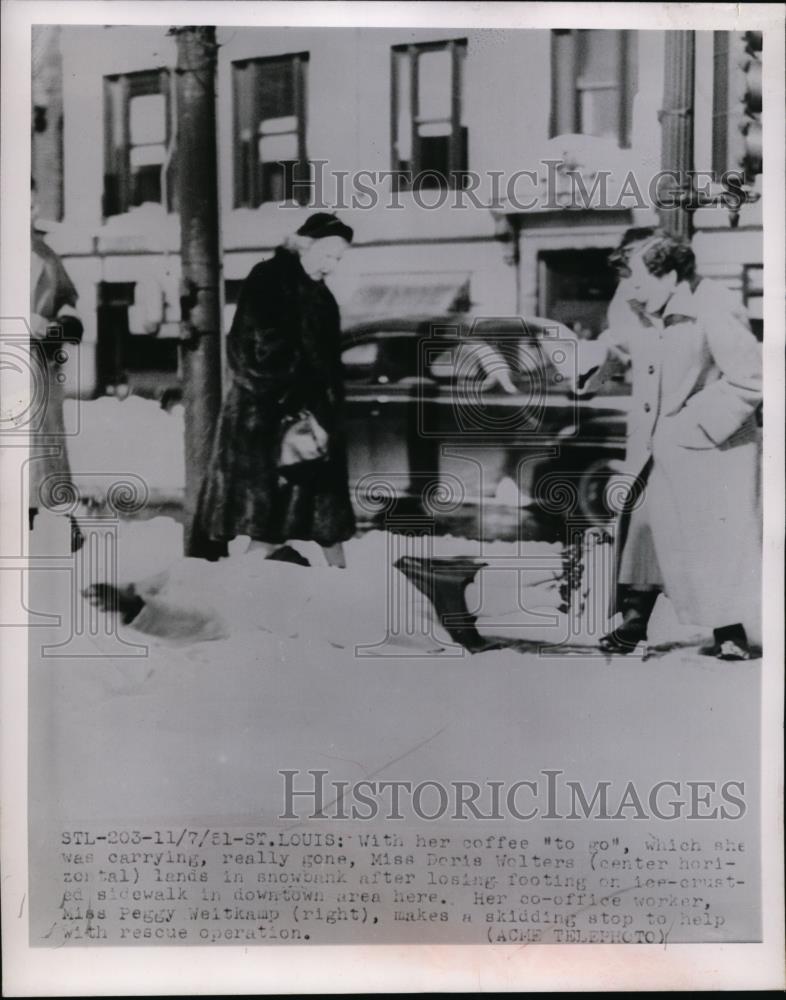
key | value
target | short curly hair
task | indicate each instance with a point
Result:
(663, 252)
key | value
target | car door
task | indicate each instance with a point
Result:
(389, 459)
(489, 437)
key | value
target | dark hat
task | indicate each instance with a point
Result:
(322, 224)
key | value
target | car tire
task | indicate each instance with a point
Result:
(592, 487)
(579, 487)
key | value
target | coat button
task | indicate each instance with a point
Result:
(651, 369)
(647, 407)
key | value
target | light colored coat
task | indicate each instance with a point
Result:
(696, 387)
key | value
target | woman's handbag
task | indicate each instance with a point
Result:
(302, 445)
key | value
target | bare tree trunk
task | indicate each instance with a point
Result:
(199, 241)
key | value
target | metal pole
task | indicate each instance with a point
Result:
(676, 119)
(200, 258)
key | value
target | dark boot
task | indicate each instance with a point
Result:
(637, 608)
(444, 581)
(729, 643)
(287, 554)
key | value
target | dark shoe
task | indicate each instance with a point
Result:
(444, 581)
(637, 608)
(729, 643)
(625, 639)
(123, 600)
(287, 554)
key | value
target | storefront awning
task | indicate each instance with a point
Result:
(406, 295)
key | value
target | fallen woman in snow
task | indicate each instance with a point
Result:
(422, 604)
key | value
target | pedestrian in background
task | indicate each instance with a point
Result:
(54, 324)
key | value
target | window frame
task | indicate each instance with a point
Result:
(247, 176)
(626, 39)
(458, 157)
(119, 156)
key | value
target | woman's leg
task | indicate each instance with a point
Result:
(335, 555)
(256, 545)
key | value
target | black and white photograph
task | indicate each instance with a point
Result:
(392, 520)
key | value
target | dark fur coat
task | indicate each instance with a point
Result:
(284, 355)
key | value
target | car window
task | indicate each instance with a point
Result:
(399, 358)
(442, 365)
(384, 358)
(360, 355)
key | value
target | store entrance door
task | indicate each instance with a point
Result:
(575, 288)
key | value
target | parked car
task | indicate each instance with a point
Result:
(433, 430)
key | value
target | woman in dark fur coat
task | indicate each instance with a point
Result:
(284, 356)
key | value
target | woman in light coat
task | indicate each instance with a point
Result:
(693, 442)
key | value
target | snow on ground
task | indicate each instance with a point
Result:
(202, 729)
(149, 547)
(151, 443)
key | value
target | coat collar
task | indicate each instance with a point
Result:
(682, 306)
(289, 261)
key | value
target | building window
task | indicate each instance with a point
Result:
(429, 131)
(271, 163)
(138, 167)
(593, 83)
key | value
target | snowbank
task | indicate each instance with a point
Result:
(132, 436)
(148, 547)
